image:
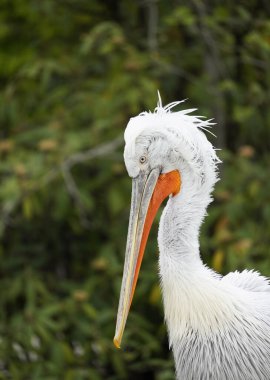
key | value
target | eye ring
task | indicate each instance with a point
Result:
(142, 160)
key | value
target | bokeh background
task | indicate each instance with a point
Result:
(72, 73)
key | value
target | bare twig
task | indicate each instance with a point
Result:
(79, 158)
(75, 194)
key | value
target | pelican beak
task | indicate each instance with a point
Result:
(148, 192)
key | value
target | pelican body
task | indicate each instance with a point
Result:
(218, 326)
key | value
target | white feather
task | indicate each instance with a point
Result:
(219, 327)
(249, 280)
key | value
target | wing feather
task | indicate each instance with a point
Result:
(248, 280)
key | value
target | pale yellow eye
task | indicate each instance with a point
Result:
(142, 159)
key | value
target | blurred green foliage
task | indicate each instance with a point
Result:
(72, 73)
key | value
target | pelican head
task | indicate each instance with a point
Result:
(166, 155)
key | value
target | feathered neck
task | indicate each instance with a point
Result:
(179, 227)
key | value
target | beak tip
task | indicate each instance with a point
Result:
(116, 342)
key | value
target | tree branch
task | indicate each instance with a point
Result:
(89, 154)
(216, 70)
(152, 25)
(64, 169)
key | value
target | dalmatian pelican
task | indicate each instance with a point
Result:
(218, 326)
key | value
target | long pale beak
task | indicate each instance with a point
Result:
(148, 192)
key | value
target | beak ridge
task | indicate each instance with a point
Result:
(142, 190)
(148, 192)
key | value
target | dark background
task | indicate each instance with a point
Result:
(72, 73)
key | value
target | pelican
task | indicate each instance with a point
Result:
(218, 326)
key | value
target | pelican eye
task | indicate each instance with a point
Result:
(142, 159)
